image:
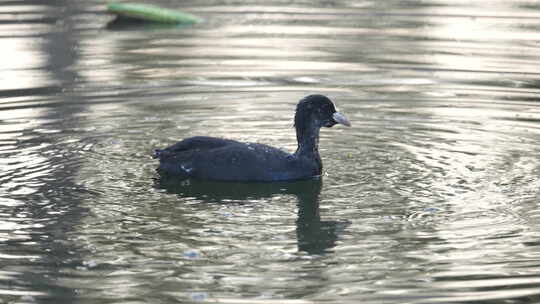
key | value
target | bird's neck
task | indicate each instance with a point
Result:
(308, 141)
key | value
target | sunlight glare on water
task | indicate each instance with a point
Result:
(430, 197)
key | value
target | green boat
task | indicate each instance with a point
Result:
(150, 13)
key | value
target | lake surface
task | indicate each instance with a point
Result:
(431, 197)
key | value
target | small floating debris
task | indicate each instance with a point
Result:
(199, 296)
(150, 13)
(431, 210)
(90, 263)
(192, 254)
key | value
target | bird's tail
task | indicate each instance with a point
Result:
(157, 153)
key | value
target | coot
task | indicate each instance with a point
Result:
(213, 158)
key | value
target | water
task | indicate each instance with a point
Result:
(431, 197)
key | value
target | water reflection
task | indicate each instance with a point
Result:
(39, 171)
(314, 236)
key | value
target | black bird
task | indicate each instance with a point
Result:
(229, 160)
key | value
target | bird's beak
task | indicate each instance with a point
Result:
(341, 119)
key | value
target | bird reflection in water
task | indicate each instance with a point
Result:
(313, 235)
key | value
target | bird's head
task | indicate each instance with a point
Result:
(318, 111)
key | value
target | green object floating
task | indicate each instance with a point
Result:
(151, 13)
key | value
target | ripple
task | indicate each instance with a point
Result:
(430, 197)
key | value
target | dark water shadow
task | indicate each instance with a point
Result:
(314, 236)
(128, 24)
